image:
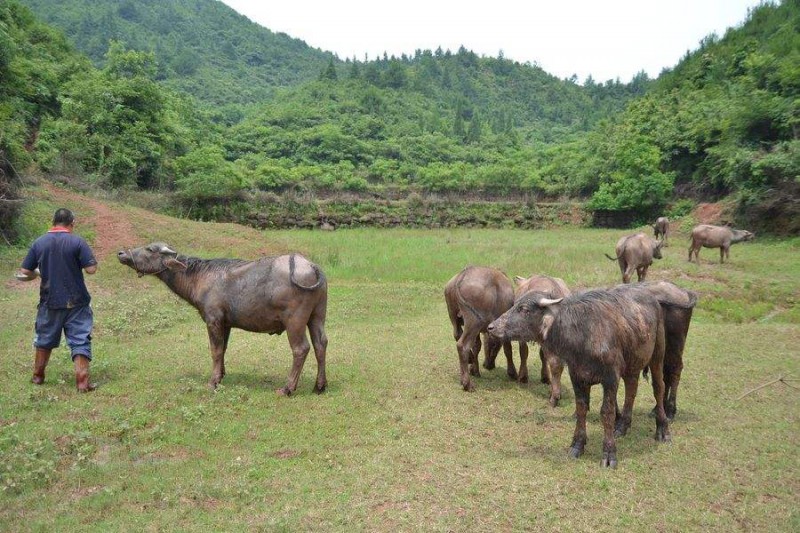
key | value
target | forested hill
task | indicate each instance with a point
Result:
(206, 49)
(202, 47)
(723, 123)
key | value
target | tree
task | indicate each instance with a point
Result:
(329, 73)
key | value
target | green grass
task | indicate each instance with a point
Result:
(394, 443)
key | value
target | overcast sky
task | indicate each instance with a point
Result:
(607, 39)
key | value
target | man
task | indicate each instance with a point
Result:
(60, 258)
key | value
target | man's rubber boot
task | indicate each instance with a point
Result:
(39, 364)
(82, 375)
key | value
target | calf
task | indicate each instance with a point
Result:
(476, 296)
(677, 305)
(552, 366)
(635, 253)
(722, 237)
(661, 229)
(601, 335)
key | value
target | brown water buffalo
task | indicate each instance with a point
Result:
(270, 295)
(601, 335)
(661, 229)
(552, 366)
(635, 253)
(476, 296)
(708, 236)
(677, 305)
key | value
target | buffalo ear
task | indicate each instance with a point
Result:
(173, 264)
(547, 321)
(518, 280)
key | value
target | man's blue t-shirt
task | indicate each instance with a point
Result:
(61, 258)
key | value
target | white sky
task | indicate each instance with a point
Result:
(604, 38)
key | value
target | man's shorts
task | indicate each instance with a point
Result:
(76, 324)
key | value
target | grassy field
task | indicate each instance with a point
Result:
(394, 444)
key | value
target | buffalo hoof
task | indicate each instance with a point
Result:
(609, 460)
(662, 435)
(523, 378)
(554, 402)
(621, 428)
(545, 380)
(36, 380)
(284, 391)
(575, 452)
(469, 387)
(512, 375)
(320, 389)
(489, 365)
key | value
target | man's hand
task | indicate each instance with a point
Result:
(23, 274)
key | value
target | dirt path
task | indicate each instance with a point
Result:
(112, 229)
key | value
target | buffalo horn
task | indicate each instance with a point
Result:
(544, 302)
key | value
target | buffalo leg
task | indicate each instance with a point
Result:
(216, 342)
(464, 346)
(657, 377)
(623, 420)
(490, 351)
(522, 377)
(627, 275)
(721, 254)
(662, 424)
(226, 338)
(544, 373)
(672, 378)
(608, 412)
(320, 343)
(555, 367)
(298, 341)
(511, 370)
(474, 369)
(582, 391)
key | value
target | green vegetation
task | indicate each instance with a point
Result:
(394, 444)
(203, 47)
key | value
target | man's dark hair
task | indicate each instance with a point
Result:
(63, 217)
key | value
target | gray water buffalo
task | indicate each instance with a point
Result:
(552, 366)
(677, 305)
(708, 236)
(601, 335)
(270, 295)
(661, 229)
(635, 253)
(476, 296)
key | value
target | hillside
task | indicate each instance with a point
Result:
(203, 47)
(720, 124)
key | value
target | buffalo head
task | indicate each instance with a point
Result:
(528, 320)
(151, 259)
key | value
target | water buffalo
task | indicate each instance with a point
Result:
(271, 295)
(476, 296)
(677, 305)
(601, 335)
(635, 253)
(661, 229)
(708, 236)
(552, 366)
